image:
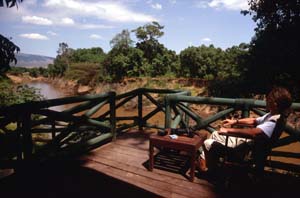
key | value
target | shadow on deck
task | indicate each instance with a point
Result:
(119, 169)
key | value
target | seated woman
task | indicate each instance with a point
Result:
(278, 102)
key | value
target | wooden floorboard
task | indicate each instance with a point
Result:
(126, 159)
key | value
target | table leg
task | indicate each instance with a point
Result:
(193, 166)
(151, 159)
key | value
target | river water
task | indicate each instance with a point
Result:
(47, 90)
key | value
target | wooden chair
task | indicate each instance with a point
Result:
(250, 156)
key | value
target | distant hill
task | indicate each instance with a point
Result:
(31, 60)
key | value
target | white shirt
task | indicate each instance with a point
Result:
(267, 123)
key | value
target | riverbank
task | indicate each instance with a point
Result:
(69, 87)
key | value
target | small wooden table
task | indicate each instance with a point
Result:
(182, 143)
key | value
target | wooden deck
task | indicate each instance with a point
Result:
(126, 159)
(119, 169)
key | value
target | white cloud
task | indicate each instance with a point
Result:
(172, 1)
(34, 36)
(67, 21)
(156, 6)
(220, 4)
(111, 11)
(201, 4)
(230, 4)
(52, 33)
(96, 36)
(93, 26)
(206, 40)
(36, 20)
(149, 1)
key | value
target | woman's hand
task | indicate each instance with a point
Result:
(228, 122)
(223, 130)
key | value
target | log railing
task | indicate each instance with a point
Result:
(77, 127)
(89, 121)
(83, 123)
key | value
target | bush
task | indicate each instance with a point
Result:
(84, 73)
(10, 94)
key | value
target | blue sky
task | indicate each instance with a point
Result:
(38, 26)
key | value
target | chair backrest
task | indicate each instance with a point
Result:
(263, 145)
(280, 124)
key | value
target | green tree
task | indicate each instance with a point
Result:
(122, 40)
(232, 73)
(10, 3)
(202, 62)
(123, 60)
(148, 40)
(235, 62)
(10, 94)
(7, 48)
(85, 73)
(91, 55)
(62, 60)
(7, 54)
(166, 62)
(125, 63)
(275, 47)
(62, 49)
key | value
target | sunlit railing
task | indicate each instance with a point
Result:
(36, 130)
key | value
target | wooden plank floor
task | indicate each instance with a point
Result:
(118, 169)
(126, 159)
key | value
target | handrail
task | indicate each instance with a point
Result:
(89, 122)
(75, 124)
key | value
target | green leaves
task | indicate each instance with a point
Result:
(276, 45)
(7, 54)
(10, 94)
(122, 41)
(10, 3)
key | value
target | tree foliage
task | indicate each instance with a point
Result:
(122, 40)
(9, 3)
(61, 62)
(85, 73)
(148, 40)
(275, 47)
(202, 62)
(63, 49)
(149, 32)
(7, 54)
(7, 48)
(10, 94)
(91, 55)
(126, 63)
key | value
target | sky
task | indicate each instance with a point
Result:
(38, 26)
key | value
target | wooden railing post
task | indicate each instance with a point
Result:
(186, 117)
(53, 134)
(27, 136)
(168, 113)
(112, 105)
(19, 140)
(140, 109)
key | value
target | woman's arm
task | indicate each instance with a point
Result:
(243, 121)
(246, 131)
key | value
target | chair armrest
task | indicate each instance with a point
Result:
(239, 135)
(240, 125)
